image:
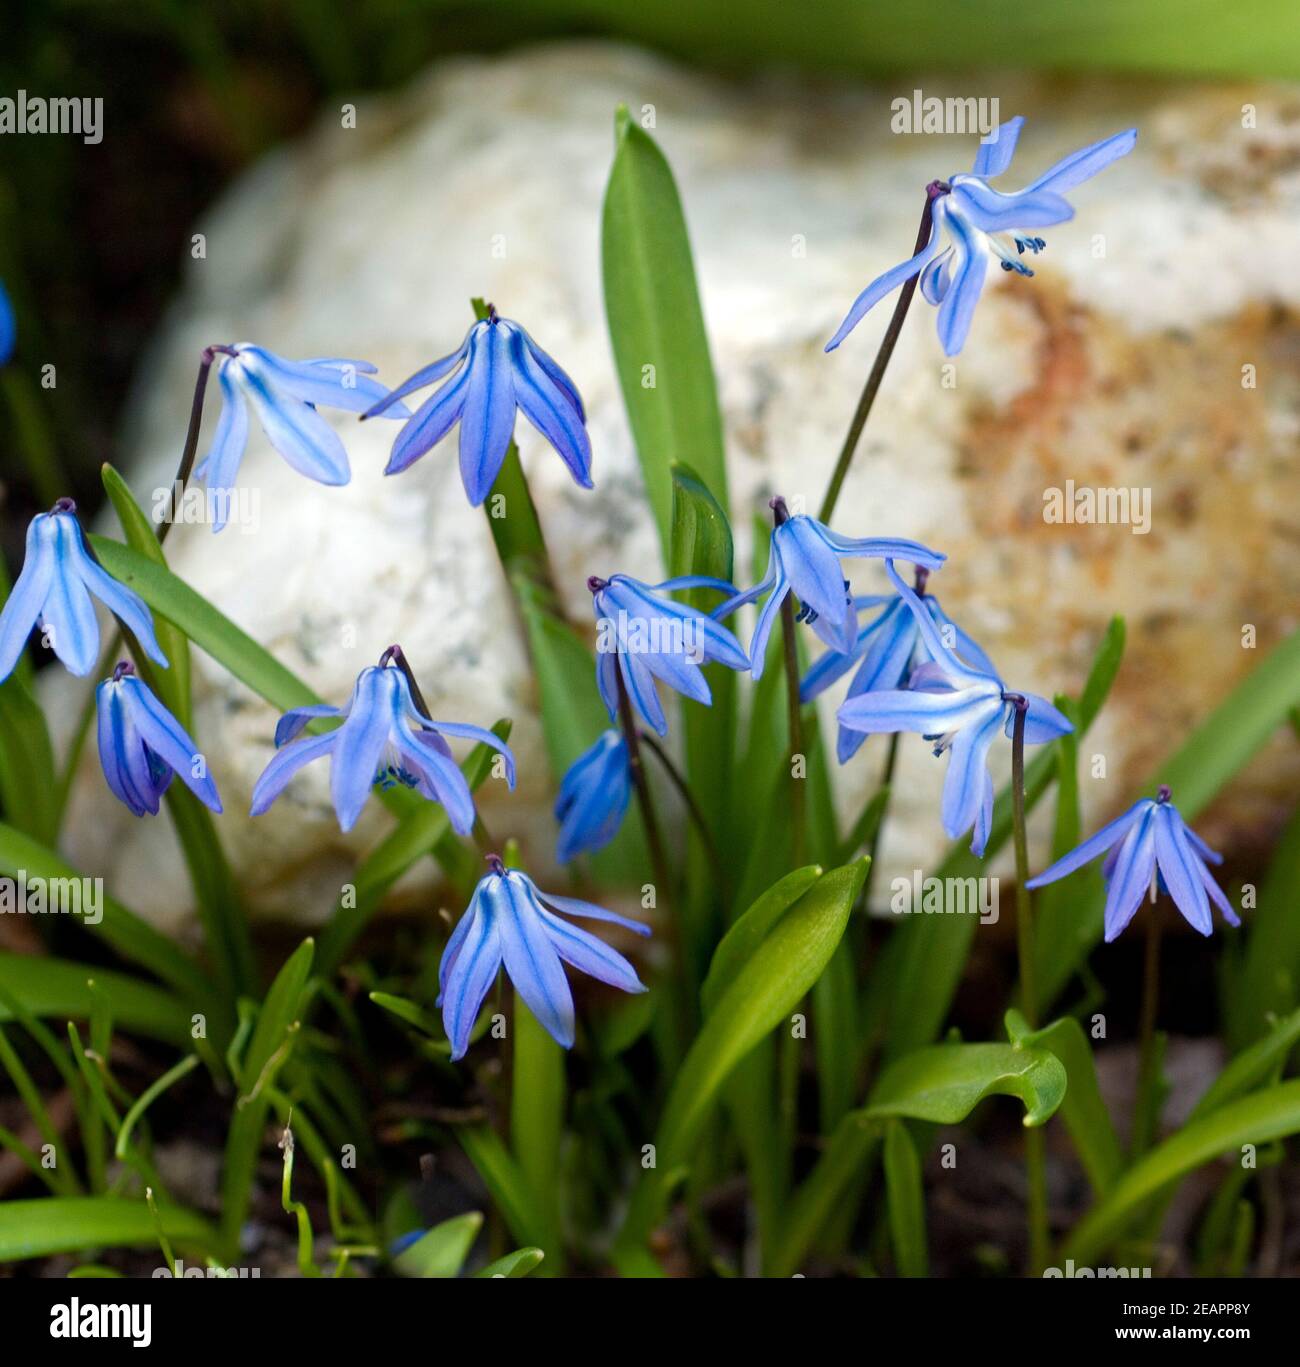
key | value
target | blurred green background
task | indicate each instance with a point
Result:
(92, 238)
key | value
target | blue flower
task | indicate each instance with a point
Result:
(285, 396)
(384, 739)
(805, 559)
(593, 798)
(962, 709)
(8, 326)
(981, 221)
(504, 370)
(642, 636)
(55, 586)
(889, 647)
(1150, 845)
(509, 921)
(141, 745)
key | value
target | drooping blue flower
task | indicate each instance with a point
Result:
(8, 326)
(979, 222)
(58, 577)
(141, 745)
(384, 740)
(510, 921)
(593, 797)
(642, 635)
(962, 709)
(504, 370)
(285, 396)
(804, 559)
(1151, 841)
(889, 647)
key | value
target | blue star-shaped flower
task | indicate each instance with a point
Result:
(1151, 841)
(504, 370)
(58, 577)
(285, 396)
(643, 635)
(962, 709)
(593, 797)
(805, 560)
(979, 222)
(141, 745)
(510, 921)
(384, 740)
(889, 647)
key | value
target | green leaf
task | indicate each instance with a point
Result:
(1257, 1119)
(739, 944)
(441, 1251)
(768, 986)
(655, 321)
(267, 1052)
(131, 937)
(945, 1082)
(1083, 1109)
(1268, 981)
(1250, 1067)
(517, 1264)
(57, 988)
(173, 684)
(906, 1198)
(506, 1184)
(69, 1224)
(926, 970)
(537, 1120)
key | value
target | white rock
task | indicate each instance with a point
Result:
(1120, 363)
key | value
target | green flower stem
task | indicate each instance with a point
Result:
(693, 809)
(1035, 1150)
(863, 410)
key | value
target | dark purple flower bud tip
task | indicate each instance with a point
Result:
(936, 188)
(123, 668)
(922, 579)
(780, 513)
(393, 653)
(496, 864)
(595, 584)
(492, 314)
(64, 505)
(1164, 793)
(1017, 700)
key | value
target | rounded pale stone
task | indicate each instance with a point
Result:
(1120, 364)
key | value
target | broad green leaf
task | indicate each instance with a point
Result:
(1268, 980)
(656, 325)
(131, 937)
(56, 988)
(835, 1024)
(906, 1199)
(1083, 1109)
(268, 1051)
(768, 986)
(441, 1251)
(517, 1264)
(1251, 1067)
(945, 1082)
(926, 970)
(745, 936)
(173, 684)
(1257, 1119)
(69, 1224)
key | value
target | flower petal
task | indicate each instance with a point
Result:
(1131, 879)
(995, 151)
(122, 756)
(488, 419)
(359, 744)
(323, 384)
(1084, 164)
(27, 597)
(575, 906)
(438, 777)
(557, 375)
(284, 764)
(434, 418)
(298, 432)
(1181, 869)
(590, 955)
(993, 212)
(531, 960)
(1043, 722)
(887, 283)
(425, 376)
(221, 464)
(292, 723)
(969, 264)
(965, 782)
(550, 410)
(471, 974)
(168, 739)
(1092, 847)
(927, 714)
(465, 731)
